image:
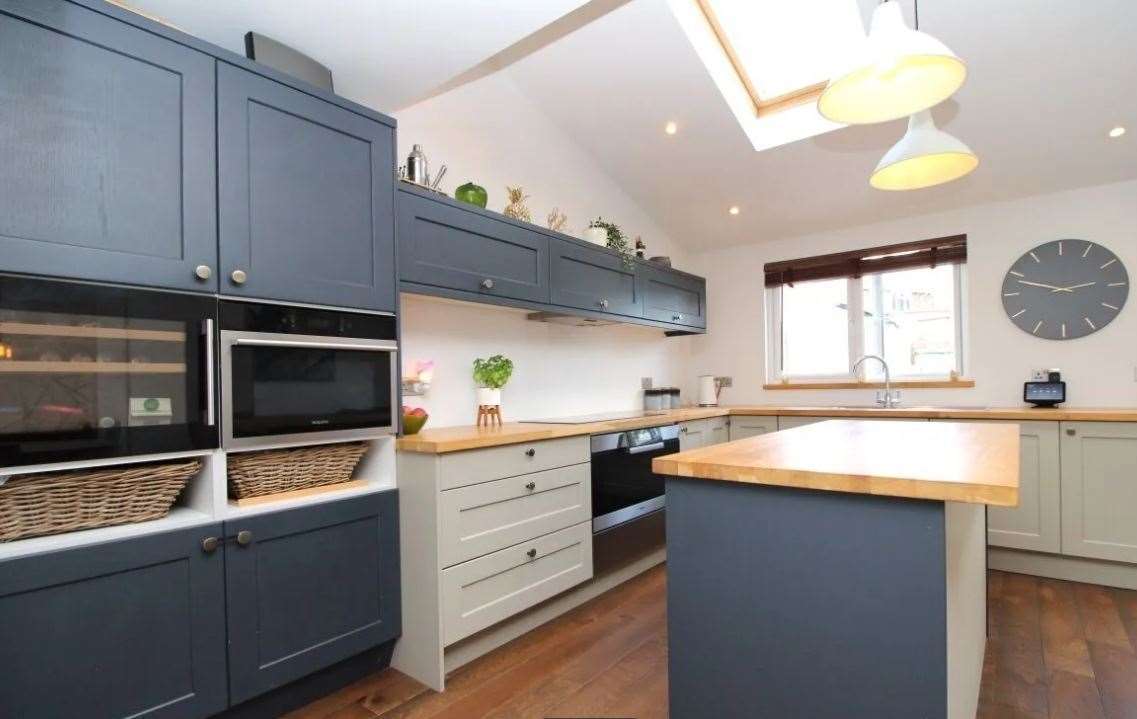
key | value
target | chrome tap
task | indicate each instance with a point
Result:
(888, 399)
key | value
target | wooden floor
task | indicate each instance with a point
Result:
(1056, 650)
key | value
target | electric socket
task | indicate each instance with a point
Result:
(645, 382)
(725, 381)
(1041, 375)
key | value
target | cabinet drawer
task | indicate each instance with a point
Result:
(486, 590)
(444, 246)
(673, 297)
(484, 518)
(460, 469)
(593, 279)
(742, 427)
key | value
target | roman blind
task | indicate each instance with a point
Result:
(854, 263)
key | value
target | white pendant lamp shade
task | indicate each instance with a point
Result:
(896, 72)
(924, 157)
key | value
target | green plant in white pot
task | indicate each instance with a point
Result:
(491, 375)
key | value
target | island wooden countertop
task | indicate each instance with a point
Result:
(456, 439)
(948, 462)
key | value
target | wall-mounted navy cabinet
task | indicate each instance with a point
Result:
(444, 246)
(450, 249)
(133, 628)
(308, 588)
(306, 196)
(107, 164)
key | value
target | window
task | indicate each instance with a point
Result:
(910, 313)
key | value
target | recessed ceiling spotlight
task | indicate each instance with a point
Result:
(1117, 131)
(734, 210)
(671, 128)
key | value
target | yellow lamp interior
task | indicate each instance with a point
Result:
(887, 91)
(924, 171)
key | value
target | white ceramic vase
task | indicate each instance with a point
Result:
(489, 396)
(596, 235)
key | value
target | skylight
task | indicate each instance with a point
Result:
(784, 51)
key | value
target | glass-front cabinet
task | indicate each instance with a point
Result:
(90, 371)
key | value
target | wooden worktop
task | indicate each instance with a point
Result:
(949, 462)
(456, 439)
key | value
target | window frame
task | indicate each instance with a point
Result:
(855, 291)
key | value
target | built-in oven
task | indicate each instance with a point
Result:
(293, 373)
(92, 371)
(627, 497)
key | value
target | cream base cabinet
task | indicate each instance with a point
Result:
(742, 427)
(718, 430)
(1036, 523)
(788, 422)
(1099, 490)
(693, 434)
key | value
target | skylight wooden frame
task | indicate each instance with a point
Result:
(762, 106)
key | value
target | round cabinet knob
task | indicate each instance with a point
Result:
(244, 537)
(530, 452)
(203, 272)
(531, 486)
(1071, 432)
(603, 304)
(238, 277)
(531, 553)
(487, 284)
(676, 318)
(209, 545)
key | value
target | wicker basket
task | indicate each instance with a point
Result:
(33, 505)
(254, 474)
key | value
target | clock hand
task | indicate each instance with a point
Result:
(1039, 284)
(1071, 288)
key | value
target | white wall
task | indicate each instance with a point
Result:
(1099, 369)
(490, 133)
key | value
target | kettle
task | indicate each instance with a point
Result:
(709, 387)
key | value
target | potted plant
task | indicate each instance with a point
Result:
(491, 375)
(614, 238)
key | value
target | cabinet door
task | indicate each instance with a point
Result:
(132, 628)
(718, 430)
(788, 422)
(671, 296)
(1099, 490)
(1035, 524)
(106, 150)
(592, 279)
(306, 196)
(742, 427)
(445, 246)
(315, 585)
(692, 435)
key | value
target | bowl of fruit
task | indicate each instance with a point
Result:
(413, 419)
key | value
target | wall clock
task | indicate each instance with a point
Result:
(1065, 289)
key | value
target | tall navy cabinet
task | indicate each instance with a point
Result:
(107, 165)
(306, 194)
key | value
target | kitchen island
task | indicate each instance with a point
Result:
(833, 570)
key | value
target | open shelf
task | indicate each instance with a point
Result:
(106, 333)
(39, 367)
(180, 516)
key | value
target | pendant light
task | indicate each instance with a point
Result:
(896, 72)
(925, 156)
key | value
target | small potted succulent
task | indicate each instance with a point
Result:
(491, 375)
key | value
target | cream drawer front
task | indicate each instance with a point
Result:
(484, 518)
(474, 466)
(486, 590)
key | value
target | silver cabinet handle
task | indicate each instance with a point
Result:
(368, 346)
(531, 553)
(487, 284)
(603, 304)
(531, 486)
(203, 272)
(238, 277)
(207, 331)
(244, 537)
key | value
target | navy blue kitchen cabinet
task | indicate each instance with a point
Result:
(591, 278)
(306, 196)
(442, 245)
(308, 587)
(132, 628)
(107, 152)
(672, 296)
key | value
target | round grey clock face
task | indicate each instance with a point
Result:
(1065, 289)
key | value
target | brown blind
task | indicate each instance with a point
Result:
(906, 255)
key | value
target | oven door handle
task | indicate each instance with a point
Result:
(646, 448)
(377, 346)
(210, 411)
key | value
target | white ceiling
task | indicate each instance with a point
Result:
(1047, 80)
(382, 53)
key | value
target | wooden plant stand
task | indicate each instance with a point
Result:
(489, 414)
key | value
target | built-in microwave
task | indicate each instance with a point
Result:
(91, 371)
(291, 373)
